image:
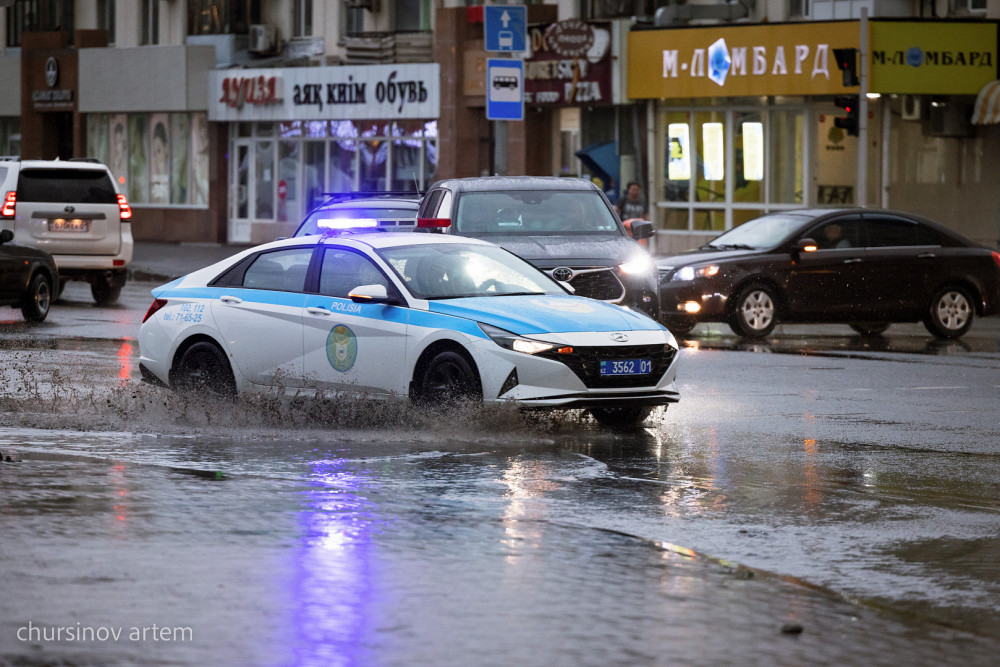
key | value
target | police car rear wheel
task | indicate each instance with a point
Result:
(448, 379)
(203, 369)
(621, 418)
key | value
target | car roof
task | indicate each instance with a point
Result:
(494, 183)
(361, 202)
(63, 164)
(375, 240)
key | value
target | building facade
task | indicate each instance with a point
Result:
(226, 120)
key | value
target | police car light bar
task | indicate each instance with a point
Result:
(346, 223)
(426, 223)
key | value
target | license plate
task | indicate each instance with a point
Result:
(627, 367)
(69, 225)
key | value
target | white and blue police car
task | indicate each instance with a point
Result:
(435, 317)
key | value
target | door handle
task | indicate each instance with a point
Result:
(312, 310)
(230, 299)
(926, 255)
(856, 260)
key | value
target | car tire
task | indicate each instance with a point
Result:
(103, 293)
(621, 418)
(204, 369)
(950, 313)
(38, 299)
(447, 380)
(755, 312)
(870, 328)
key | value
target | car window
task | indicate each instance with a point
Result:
(436, 272)
(325, 219)
(66, 186)
(343, 270)
(281, 270)
(835, 234)
(536, 212)
(885, 232)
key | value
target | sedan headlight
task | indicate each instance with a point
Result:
(638, 264)
(512, 341)
(691, 272)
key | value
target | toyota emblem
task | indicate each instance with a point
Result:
(619, 337)
(562, 274)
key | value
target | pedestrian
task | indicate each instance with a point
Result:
(632, 204)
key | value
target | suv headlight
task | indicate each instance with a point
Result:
(638, 264)
(692, 272)
(512, 341)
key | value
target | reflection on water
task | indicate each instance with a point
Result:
(332, 569)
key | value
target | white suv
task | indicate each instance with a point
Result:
(73, 210)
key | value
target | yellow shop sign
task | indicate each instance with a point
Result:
(739, 61)
(932, 57)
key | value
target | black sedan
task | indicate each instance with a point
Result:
(27, 278)
(864, 267)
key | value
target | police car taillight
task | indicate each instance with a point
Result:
(153, 307)
(8, 205)
(432, 223)
(126, 210)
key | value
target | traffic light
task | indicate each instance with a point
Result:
(848, 103)
(847, 61)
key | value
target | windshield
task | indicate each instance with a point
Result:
(536, 212)
(449, 271)
(763, 232)
(319, 220)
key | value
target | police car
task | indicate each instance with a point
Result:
(435, 317)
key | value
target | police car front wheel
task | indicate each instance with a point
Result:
(448, 379)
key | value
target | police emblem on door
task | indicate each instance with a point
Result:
(342, 348)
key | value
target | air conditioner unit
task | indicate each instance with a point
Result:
(911, 107)
(263, 39)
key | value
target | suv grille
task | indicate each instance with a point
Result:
(597, 283)
(586, 363)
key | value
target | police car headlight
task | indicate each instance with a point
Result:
(638, 264)
(692, 272)
(512, 341)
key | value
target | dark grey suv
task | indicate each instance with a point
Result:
(564, 226)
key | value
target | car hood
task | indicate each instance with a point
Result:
(551, 251)
(699, 256)
(545, 313)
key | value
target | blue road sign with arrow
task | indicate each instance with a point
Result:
(505, 27)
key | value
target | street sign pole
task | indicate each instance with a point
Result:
(505, 31)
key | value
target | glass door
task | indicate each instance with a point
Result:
(240, 194)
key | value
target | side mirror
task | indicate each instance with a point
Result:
(805, 245)
(369, 294)
(6, 235)
(642, 229)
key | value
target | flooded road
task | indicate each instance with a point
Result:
(801, 508)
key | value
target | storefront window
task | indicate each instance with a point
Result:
(722, 168)
(787, 156)
(10, 136)
(138, 163)
(264, 170)
(156, 158)
(749, 152)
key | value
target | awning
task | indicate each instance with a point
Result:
(987, 109)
